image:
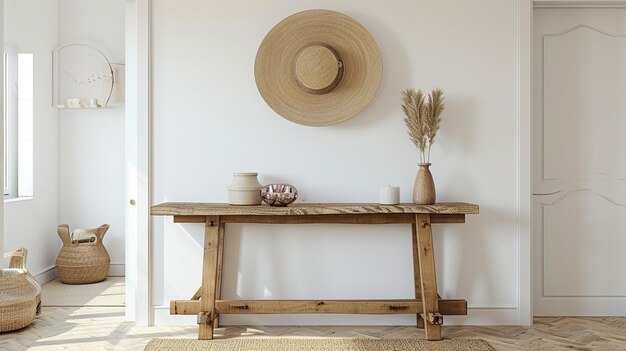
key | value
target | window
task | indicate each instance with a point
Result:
(18, 123)
(10, 121)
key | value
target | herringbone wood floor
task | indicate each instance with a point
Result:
(104, 328)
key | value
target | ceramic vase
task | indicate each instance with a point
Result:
(424, 186)
(245, 189)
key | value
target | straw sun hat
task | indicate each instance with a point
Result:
(318, 68)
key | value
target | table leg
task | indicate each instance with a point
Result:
(220, 265)
(209, 275)
(426, 256)
(416, 274)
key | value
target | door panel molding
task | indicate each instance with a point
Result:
(545, 200)
(582, 26)
(544, 44)
(570, 264)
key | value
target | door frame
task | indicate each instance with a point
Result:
(138, 135)
(524, 119)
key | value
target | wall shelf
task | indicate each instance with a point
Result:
(81, 71)
(85, 108)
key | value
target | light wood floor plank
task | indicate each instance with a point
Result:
(104, 328)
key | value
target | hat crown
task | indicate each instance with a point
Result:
(318, 68)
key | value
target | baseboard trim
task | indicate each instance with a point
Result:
(486, 316)
(47, 275)
(592, 306)
(50, 273)
(475, 316)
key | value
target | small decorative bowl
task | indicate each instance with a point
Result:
(279, 194)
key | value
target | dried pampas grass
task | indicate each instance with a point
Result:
(422, 118)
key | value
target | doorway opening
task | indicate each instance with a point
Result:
(65, 162)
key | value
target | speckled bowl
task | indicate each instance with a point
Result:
(279, 194)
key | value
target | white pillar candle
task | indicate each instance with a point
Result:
(389, 195)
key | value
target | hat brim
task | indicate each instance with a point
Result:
(363, 68)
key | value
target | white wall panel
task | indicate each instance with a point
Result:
(210, 121)
(584, 246)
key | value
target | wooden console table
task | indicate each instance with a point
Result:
(427, 305)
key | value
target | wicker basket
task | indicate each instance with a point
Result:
(20, 294)
(83, 258)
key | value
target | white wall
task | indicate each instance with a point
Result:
(91, 142)
(33, 26)
(209, 121)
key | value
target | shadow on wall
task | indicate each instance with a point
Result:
(191, 237)
(396, 76)
(483, 245)
(479, 241)
(454, 139)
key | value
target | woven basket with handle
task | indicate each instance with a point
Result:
(83, 258)
(20, 294)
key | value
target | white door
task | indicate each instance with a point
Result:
(579, 161)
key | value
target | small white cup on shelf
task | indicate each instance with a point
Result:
(75, 103)
(389, 195)
(93, 102)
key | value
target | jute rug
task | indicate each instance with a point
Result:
(317, 345)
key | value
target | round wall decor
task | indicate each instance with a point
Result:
(318, 68)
